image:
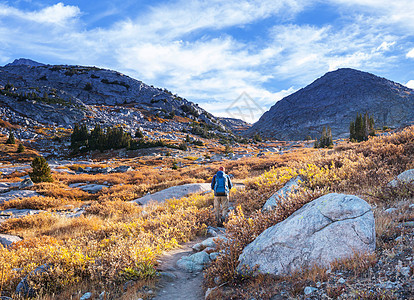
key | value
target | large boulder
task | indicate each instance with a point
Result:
(174, 192)
(332, 227)
(290, 187)
(404, 177)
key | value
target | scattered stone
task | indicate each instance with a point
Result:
(208, 243)
(341, 281)
(391, 210)
(208, 292)
(24, 288)
(122, 169)
(405, 271)
(168, 276)
(409, 224)
(26, 184)
(92, 188)
(194, 263)
(17, 194)
(86, 296)
(290, 187)
(332, 227)
(7, 239)
(404, 178)
(309, 290)
(18, 213)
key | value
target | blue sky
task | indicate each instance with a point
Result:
(211, 52)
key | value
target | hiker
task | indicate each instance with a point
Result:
(221, 184)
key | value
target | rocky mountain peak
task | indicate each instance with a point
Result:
(334, 100)
(26, 62)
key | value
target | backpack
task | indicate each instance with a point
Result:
(221, 187)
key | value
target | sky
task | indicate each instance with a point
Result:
(234, 58)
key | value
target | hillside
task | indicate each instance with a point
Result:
(334, 100)
(36, 95)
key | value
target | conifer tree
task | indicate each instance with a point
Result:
(41, 170)
(20, 149)
(326, 138)
(11, 140)
(361, 128)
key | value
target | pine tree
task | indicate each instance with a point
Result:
(11, 140)
(139, 134)
(41, 170)
(20, 149)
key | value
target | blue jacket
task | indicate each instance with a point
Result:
(213, 182)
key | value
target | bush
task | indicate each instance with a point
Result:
(41, 170)
(21, 148)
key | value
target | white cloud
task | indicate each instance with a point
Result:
(58, 14)
(410, 84)
(410, 54)
(182, 46)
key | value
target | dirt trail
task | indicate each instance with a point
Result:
(184, 285)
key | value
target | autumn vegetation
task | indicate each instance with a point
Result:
(116, 241)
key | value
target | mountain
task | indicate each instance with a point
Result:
(236, 126)
(26, 62)
(334, 100)
(35, 94)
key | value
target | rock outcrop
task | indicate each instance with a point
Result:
(332, 227)
(334, 100)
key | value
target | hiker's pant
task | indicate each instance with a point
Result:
(221, 207)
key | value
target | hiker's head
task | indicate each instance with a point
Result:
(221, 169)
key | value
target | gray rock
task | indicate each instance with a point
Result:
(23, 288)
(332, 227)
(404, 178)
(208, 243)
(18, 213)
(86, 296)
(208, 292)
(290, 187)
(17, 194)
(309, 290)
(341, 280)
(391, 210)
(26, 183)
(405, 271)
(122, 169)
(194, 263)
(174, 192)
(6, 239)
(168, 276)
(214, 255)
(92, 188)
